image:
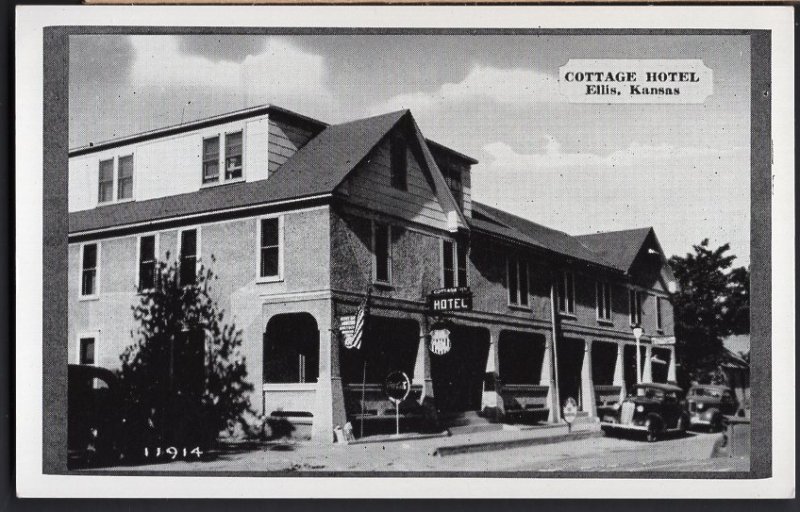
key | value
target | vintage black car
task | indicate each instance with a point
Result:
(94, 422)
(709, 404)
(652, 409)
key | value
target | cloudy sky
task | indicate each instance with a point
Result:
(683, 169)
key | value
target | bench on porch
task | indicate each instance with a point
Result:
(606, 397)
(375, 402)
(525, 400)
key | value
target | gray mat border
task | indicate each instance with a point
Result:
(54, 343)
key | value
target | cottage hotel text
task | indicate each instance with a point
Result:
(635, 81)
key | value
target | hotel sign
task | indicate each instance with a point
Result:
(662, 340)
(450, 299)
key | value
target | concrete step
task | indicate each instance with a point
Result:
(467, 422)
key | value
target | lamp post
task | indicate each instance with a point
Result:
(637, 333)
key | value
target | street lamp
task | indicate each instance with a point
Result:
(637, 333)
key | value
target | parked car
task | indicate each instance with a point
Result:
(651, 409)
(709, 404)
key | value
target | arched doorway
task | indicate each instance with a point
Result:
(291, 349)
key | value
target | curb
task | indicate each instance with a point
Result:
(394, 439)
(456, 449)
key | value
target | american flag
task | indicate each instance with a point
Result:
(361, 317)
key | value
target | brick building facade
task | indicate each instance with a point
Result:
(302, 218)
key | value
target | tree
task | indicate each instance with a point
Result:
(184, 375)
(713, 302)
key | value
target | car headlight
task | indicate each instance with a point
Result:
(699, 406)
(618, 404)
(639, 408)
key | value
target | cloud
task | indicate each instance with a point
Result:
(280, 73)
(686, 193)
(636, 155)
(508, 86)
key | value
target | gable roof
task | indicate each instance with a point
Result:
(502, 223)
(316, 169)
(619, 248)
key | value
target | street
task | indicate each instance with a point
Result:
(688, 453)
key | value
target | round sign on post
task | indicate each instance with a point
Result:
(570, 412)
(397, 387)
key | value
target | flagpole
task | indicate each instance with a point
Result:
(363, 392)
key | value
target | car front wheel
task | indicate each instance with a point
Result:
(652, 430)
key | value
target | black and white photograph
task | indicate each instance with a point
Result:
(378, 249)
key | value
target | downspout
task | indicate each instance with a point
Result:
(554, 373)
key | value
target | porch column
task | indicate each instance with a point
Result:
(422, 373)
(588, 403)
(422, 365)
(491, 399)
(671, 377)
(329, 410)
(647, 373)
(619, 371)
(548, 378)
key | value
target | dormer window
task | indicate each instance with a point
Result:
(228, 156)
(106, 188)
(211, 159)
(125, 178)
(233, 155)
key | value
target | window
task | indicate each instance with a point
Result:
(399, 165)
(381, 253)
(86, 348)
(566, 293)
(147, 262)
(270, 253)
(106, 188)
(211, 159)
(517, 270)
(659, 318)
(188, 257)
(454, 264)
(461, 263)
(233, 155)
(89, 270)
(635, 307)
(125, 177)
(603, 297)
(453, 178)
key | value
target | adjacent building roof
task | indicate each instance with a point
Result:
(619, 248)
(504, 224)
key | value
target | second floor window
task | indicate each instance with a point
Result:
(106, 188)
(147, 262)
(125, 177)
(517, 270)
(381, 253)
(233, 155)
(635, 307)
(566, 293)
(89, 270)
(211, 159)
(399, 164)
(454, 264)
(603, 301)
(270, 248)
(188, 257)
(659, 315)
